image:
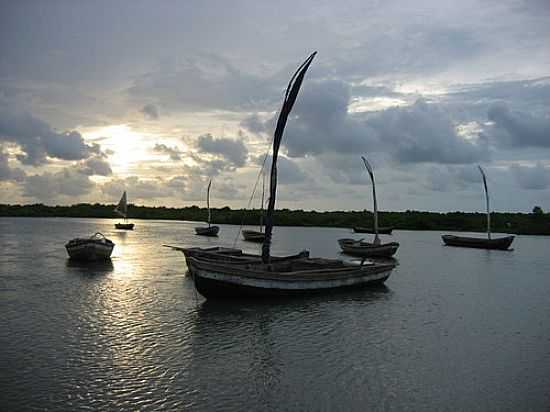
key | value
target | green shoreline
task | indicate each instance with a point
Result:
(514, 223)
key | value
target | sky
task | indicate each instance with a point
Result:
(157, 98)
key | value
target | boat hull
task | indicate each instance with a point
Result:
(207, 230)
(502, 243)
(363, 249)
(381, 230)
(217, 281)
(124, 226)
(253, 236)
(89, 251)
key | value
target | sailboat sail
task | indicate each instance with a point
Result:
(487, 202)
(122, 207)
(290, 98)
(371, 174)
(208, 201)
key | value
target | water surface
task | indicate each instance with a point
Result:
(454, 329)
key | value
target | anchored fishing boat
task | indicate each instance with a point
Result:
(215, 277)
(96, 247)
(502, 243)
(367, 249)
(209, 230)
(122, 210)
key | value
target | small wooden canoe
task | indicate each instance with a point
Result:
(124, 226)
(366, 249)
(381, 230)
(253, 236)
(94, 248)
(217, 280)
(502, 243)
(207, 230)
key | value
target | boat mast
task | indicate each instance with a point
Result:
(371, 174)
(262, 205)
(208, 201)
(290, 97)
(487, 202)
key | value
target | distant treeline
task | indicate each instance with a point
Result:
(536, 223)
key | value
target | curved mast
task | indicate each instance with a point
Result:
(262, 205)
(487, 202)
(208, 201)
(371, 174)
(290, 98)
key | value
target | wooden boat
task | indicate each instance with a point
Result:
(502, 243)
(215, 277)
(382, 230)
(367, 249)
(253, 236)
(96, 247)
(209, 230)
(122, 210)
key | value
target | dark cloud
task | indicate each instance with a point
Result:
(231, 150)
(173, 152)
(38, 140)
(150, 111)
(96, 166)
(532, 177)
(519, 129)
(49, 186)
(288, 172)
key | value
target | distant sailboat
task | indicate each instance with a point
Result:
(367, 249)
(502, 243)
(254, 235)
(209, 230)
(122, 210)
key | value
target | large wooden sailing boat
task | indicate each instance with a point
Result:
(368, 249)
(257, 236)
(502, 243)
(217, 278)
(209, 230)
(122, 210)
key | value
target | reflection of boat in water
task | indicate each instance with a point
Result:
(502, 243)
(96, 247)
(95, 267)
(122, 210)
(214, 278)
(368, 249)
(208, 230)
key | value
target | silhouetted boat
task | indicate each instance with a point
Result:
(122, 210)
(95, 247)
(215, 278)
(384, 230)
(254, 235)
(367, 249)
(502, 243)
(209, 230)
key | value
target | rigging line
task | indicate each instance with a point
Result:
(253, 192)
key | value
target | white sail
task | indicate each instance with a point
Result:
(371, 174)
(122, 207)
(487, 202)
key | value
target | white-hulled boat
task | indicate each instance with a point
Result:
(96, 247)
(223, 277)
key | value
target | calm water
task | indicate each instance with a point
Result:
(455, 329)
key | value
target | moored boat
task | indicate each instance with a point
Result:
(253, 236)
(383, 230)
(366, 249)
(124, 226)
(209, 230)
(96, 247)
(122, 210)
(502, 243)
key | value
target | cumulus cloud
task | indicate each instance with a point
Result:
(173, 152)
(532, 177)
(288, 171)
(518, 129)
(231, 150)
(96, 166)
(48, 186)
(38, 140)
(7, 172)
(150, 111)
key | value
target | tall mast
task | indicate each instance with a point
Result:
(208, 201)
(290, 97)
(487, 202)
(262, 205)
(371, 174)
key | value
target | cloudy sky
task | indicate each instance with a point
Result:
(156, 98)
